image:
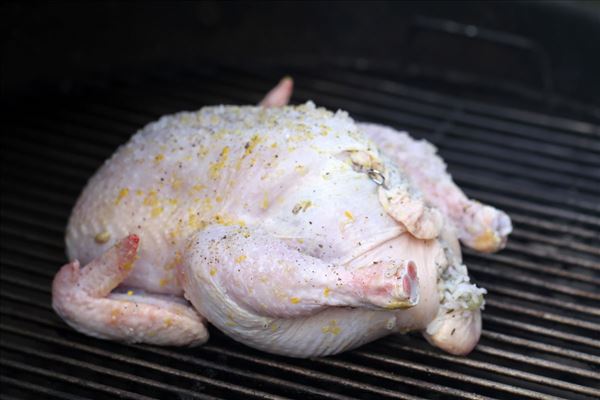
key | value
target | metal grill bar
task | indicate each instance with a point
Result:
(545, 315)
(450, 374)
(540, 363)
(109, 372)
(538, 299)
(497, 369)
(552, 227)
(535, 267)
(67, 343)
(507, 339)
(528, 117)
(541, 321)
(556, 241)
(459, 360)
(566, 259)
(449, 111)
(153, 366)
(456, 359)
(67, 378)
(317, 375)
(203, 363)
(541, 330)
(534, 281)
(40, 390)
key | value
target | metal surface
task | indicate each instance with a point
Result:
(542, 319)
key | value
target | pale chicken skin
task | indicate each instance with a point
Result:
(292, 229)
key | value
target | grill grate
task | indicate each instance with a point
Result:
(542, 319)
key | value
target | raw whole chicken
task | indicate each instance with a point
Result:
(293, 229)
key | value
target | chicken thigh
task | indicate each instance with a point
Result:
(292, 229)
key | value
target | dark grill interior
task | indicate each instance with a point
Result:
(542, 318)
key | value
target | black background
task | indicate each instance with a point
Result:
(50, 47)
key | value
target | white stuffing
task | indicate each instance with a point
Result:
(457, 292)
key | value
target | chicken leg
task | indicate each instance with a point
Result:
(260, 290)
(83, 298)
(266, 276)
(481, 227)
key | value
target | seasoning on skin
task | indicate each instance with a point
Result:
(332, 328)
(240, 259)
(487, 240)
(217, 166)
(176, 183)
(249, 147)
(295, 300)
(349, 215)
(301, 206)
(174, 262)
(102, 237)
(122, 194)
(195, 222)
(151, 199)
(130, 293)
(301, 169)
